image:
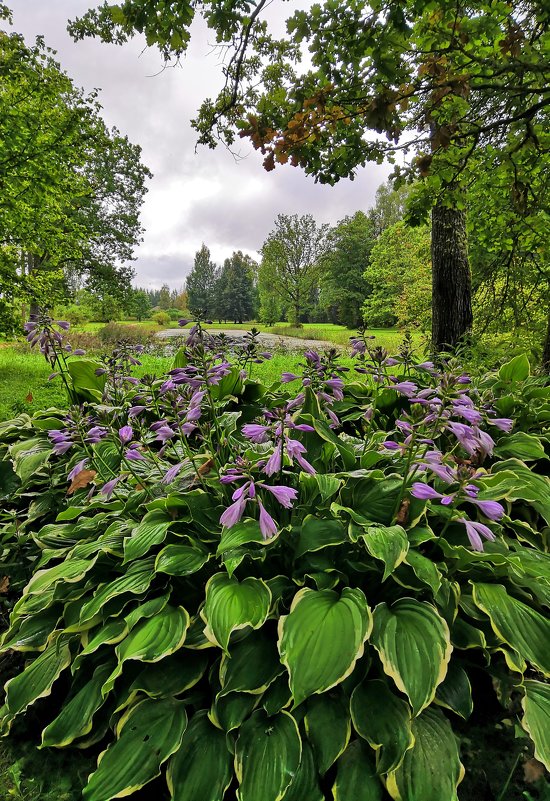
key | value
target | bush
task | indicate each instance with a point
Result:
(175, 314)
(119, 332)
(75, 315)
(162, 318)
(295, 590)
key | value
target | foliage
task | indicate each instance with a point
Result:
(140, 305)
(292, 262)
(289, 590)
(200, 283)
(399, 273)
(234, 293)
(162, 318)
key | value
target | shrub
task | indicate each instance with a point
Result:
(162, 318)
(289, 590)
(119, 332)
(175, 314)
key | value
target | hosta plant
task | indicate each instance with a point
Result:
(280, 593)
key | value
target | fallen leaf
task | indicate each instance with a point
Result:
(4, 584)
(403, 515)
(206, 467)
(29, 398)
(533, 770)
(84, 478)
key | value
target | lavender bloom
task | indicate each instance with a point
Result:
(233, 513)
(390, 445)
(256, 433)
(503, 423)
(61, 440)
(491, 509)
(109, 487)
(295, 450)
(285, 495)
(63, 324)
(286, 378)
(407, 388)
(465, 435)
(273, 464)
(78, 468)
(171, 473)
(79, 352)
(474, 530)
(95, 435)
(164, 433)
(471, 415)
(268, 527)
(424, 492)
(182, 322)
(125, 433)
(134, 455)
(187, 428)
(136, 410)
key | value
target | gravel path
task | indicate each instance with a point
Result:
(269, 340)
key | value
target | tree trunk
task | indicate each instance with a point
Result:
(451, 282)
(546, 350)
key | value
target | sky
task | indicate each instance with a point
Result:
(195, 195)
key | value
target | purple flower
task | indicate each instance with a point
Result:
(171, 473)
(63, 324)
(182, 322)
(79, 352)
(233, 513)
(465, 435)
(504, 423)
(256, 433)
(95, 435)
(471, 415)
(273, 464)
(286, 378)
(268, 527)
(407, 388)
(134, 455)
(424, 491)
(62, 441)
(164, 433)
(295, 450)
(491, 509)
(78, 468)
(285, 495)
(109, 487)
(125, 433)
(474, 530)
(135, 410)
(390, 445)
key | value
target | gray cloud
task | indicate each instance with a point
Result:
(206, 196)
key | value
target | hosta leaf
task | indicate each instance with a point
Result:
(201, 769)
(76, 716)
(322, 638)
(147, 735)
(231, 605)
(387, 543)
(37, 678)
(136, 580)
(180, 560)
(328, 728)
(231, 710)
(251, 665)
(305, 786)
(356, 778)
(455, 692)
(517, 369)
(29, 455)
(107, 635)
(316, 533)
(244, 532)
(520, 445)
(151, 530)
(30, 633)
(69, 571)
(413, 642)
(524, 629)
(172, 675)
(384, 720)
(536, 718)
(267, 756)
(431, 769)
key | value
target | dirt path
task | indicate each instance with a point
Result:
(269, 340)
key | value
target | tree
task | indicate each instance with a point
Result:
(140, 304)
(71, 188)
(292, 261)
(343, 285)
(399, 273)
(164, 300)
(436, 82)
(390, 206)
(238, 293)
(201, 282)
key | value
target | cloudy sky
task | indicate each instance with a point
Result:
(205, 196)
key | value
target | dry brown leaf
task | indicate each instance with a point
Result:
(4, 585)
(29, 398)
(533, 770)
(403, 515)
(206, 467)
(84, 478)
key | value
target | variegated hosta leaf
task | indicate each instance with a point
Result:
(305, 784)
(252, 664)
(147, 735)
(413, 642)
(356, 778)
(69, 571)
(384, 720)
(76, 716)
(267, 756)
(30, 633)
(231, 605)
(536, 718)
(431, 770)
(135, 580)
(322, 638)
(151, 530)
(229, 711)
(524, 629)
(328, 727)
(181, 560)
(37, 679)
(389, 544)
(455, 692)
(201, 769)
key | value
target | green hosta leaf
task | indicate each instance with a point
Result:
(431, 769)
(520, 445)
(267, 756)
(151, 640)
(111, 633)
(29, 455)
(322, 638)
(147, 609)
(424, 570)
(136, 580)
(536, 718)
(413, 642)
(229, 712)
(84, 379)
(150, 531)
(518, 482)
(201, 769)
(464, 635)
(172, 675)
(326, 433)
(455, 692)
(251, 665)
(37, 679)
(76, 716)
(384, 720)
(517, 369)
(180, 560)
(69, 571)
(30, 633)
(356, 778)
(231, 606)
(526, 631)
(147, 735)
(328, 728)
(245, 532)
(387, 543)
(305, 786)
(316, 534)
